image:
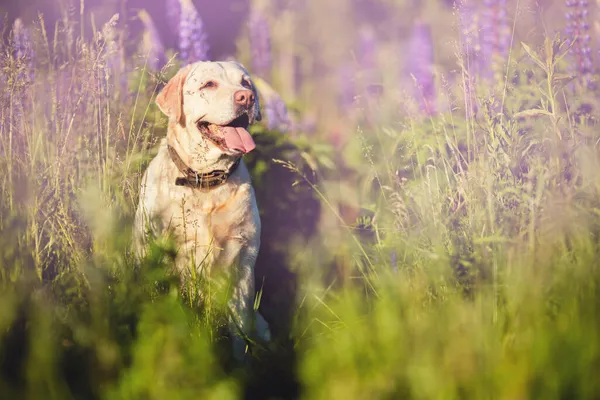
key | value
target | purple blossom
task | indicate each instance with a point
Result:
(151, 46)
(469, 27)
(347, 88)
(260, 43)
(173, 13)
(276, 113)
(193, 41)
(367, 49)
(470, 49)
(494, 35)
(421, 66)
(577, 30)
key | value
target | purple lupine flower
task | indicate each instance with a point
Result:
(23, 49)
(193, 41)
(173, 13)
(347, 88)
(469, 27)
(421, 66)
(260, 43)
(494, 35)
(367, 49)
(151, 46)
(470, 49)
(394, 262)
(577, 31)
(276, 113)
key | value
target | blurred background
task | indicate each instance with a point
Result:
(426, 174)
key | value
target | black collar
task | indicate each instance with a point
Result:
(204, 181)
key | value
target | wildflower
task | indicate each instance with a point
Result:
(274, 108)
(347, 88)
(494, 35)
(469, 35)
(421, 66)
(367, 49)
(577, 30)
(470, 50)
(173, 13)
(260, 43)
(193, 41)
(276, 113)
(151, 45)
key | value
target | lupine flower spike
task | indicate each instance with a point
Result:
(368, 74)
(260, 43)
(367, 49)
(470, 50)
(274, 108)
(347, 89)
(577, 31)
(469, 25)
(151, 46)
(193, 41)
(494, 36)
(421, 67)
(277, 114)
(173, 13)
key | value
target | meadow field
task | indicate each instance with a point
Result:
(427, 174)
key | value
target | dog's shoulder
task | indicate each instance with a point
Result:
(155, 176)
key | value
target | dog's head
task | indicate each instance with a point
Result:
(211, 105)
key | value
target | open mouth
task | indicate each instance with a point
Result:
(232, 136)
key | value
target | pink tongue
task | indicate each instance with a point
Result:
(238, 139)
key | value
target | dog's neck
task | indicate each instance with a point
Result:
(194, 179)
(198, 170)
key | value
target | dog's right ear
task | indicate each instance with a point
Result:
(170, 98)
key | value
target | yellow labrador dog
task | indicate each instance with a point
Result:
(198, 188)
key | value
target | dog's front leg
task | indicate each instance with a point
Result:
(243, 318)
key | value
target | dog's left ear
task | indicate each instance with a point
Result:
(170, 98)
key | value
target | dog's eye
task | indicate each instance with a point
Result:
(209, 85)
(246, 83)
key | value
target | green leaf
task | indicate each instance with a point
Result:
(534, 112)
(534, 56)
(562, 77)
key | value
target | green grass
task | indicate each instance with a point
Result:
(471, 271)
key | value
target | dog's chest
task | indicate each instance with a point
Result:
(212, 227)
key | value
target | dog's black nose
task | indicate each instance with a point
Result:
(244, 98)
